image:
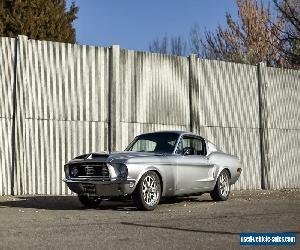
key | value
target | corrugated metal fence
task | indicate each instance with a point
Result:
(225, 110)
(59, 100)
(7, 68)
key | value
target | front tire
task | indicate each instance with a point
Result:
(222, 188)
(148, 192)
(89, 201)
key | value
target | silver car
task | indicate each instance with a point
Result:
(154, 165)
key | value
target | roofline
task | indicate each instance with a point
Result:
(171, 131)
(179, 132)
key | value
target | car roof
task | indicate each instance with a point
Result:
(171, 131)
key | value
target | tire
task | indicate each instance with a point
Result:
(148, 192)
(222, 188)
(89, 201)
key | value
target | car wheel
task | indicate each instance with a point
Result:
(148, 192)
(89, 201)
(222, 188)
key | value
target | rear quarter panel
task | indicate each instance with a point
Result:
(225, 161)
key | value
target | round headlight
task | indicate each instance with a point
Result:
(74, 171)
(118, 170)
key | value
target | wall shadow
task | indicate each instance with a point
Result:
(180, 229)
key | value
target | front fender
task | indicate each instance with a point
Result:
(147, 169)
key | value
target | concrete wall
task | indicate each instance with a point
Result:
(60, 100)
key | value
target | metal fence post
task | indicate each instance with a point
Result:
(114, 98)
(263, 123)
(14, 112)
(192, 62)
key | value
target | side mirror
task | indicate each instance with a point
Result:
(188, 151)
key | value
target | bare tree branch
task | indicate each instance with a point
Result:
(159, 45)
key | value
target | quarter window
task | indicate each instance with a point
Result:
(196, 144)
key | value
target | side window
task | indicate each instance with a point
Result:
(196, 144)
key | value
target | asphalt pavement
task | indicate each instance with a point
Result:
(47, 222)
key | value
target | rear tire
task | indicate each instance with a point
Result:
(222, 188)
(89, 201)
(148, 192)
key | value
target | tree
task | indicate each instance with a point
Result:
(256, 36)
(38, 19)
(159, 45)
(251, 39)
(178, 45)
(289, 12)
(195, 40)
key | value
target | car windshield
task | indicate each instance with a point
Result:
(156, 142)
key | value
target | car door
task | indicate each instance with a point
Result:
(194, 171)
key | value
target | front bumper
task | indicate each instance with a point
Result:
(100, 188)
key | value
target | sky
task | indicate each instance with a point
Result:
(132, 24)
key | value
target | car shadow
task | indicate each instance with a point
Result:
(42, 202)
(61, 203)
(72, 203)
(183, 199)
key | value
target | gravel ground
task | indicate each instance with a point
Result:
(30, 222)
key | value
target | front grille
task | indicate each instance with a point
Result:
(91, 170)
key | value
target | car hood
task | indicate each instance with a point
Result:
(113, 156)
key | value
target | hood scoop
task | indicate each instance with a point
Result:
(92, 156)
(95, 156)
(81, 157)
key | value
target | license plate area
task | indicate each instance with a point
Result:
(89, 188)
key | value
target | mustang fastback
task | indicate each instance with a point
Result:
(154, 165)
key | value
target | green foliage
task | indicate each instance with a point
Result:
(38, 19)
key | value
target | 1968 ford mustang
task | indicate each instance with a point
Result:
(154, 165)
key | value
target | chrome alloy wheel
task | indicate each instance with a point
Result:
(224, 185)
(151, 191)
